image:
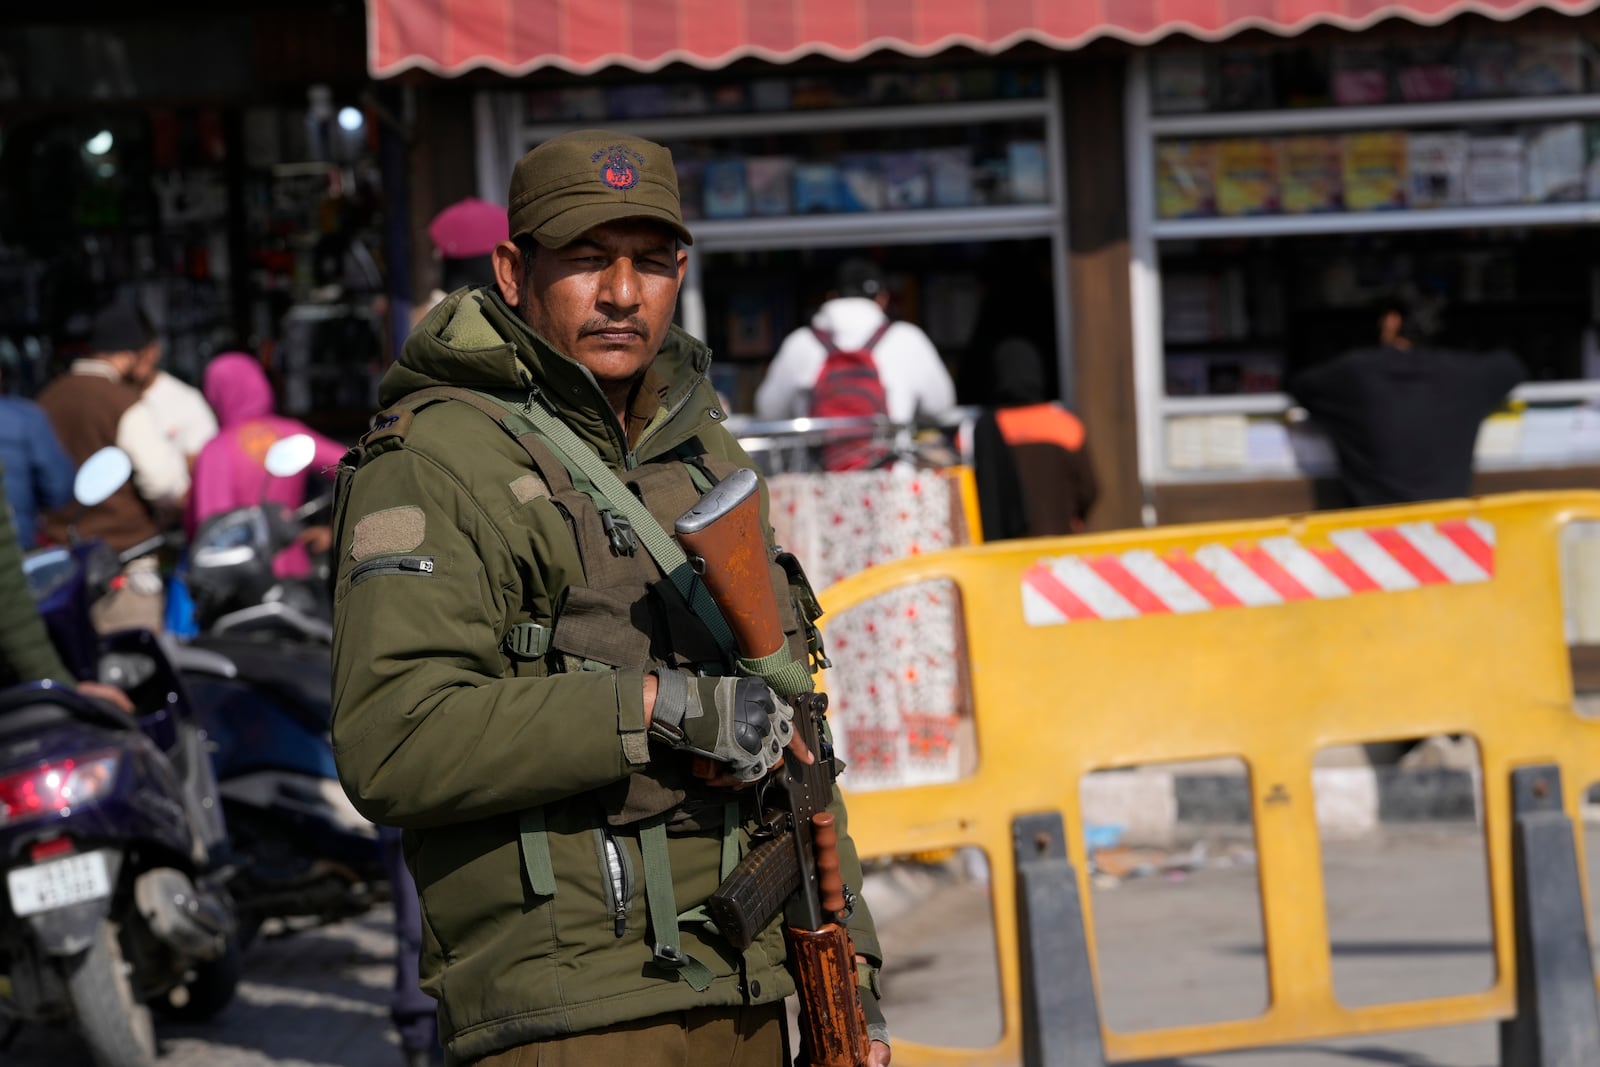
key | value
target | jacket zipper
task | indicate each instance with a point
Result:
(422, 565)
(617, 874)
(672, 412)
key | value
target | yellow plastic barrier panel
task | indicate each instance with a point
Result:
(1263, 640)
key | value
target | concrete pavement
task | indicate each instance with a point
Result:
(1408, 914)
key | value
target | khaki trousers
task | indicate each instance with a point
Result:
(703, 1037)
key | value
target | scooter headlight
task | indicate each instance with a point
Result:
(56, 788)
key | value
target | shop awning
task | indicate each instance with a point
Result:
(450, 37)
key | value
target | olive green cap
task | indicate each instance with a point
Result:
(579, 180)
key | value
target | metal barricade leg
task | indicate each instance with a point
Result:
(1060, 1013)
(1558, 1016)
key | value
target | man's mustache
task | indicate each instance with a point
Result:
(604, 325)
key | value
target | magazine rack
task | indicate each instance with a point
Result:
(1235, 437)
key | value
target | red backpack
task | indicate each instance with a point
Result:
(848, 386)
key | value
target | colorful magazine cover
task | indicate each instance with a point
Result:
(1243, 81)
(1028, 172)
(1592, 182)
(1557, 158)
(1427, 74)
(905, 181)
(816, 189)
(950, 175)
(1549, 66)
(1178, 83)
(723, 189)
(771, 182)
(1360, 76)
(1437, 163)
(1495, 170)
(1247, 176)
(1185, 179)
(691, 192)
(1375, 171)
(1486, 68)
(861, 181)
(1310, 174)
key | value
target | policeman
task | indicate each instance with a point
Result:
(516, 683)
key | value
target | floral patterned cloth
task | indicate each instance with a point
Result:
(901, 707)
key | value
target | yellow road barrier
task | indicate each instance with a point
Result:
(1263, 640)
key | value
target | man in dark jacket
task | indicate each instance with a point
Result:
(41, 473)
(1404, 418)
(516, 684)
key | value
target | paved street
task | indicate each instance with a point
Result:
(1408, 913)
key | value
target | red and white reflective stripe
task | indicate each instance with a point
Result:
(1276, 570)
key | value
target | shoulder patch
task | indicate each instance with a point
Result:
(388, 531)
(392, 423)
(529, 487)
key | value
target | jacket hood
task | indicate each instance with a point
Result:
(475, 340)
(237, 389)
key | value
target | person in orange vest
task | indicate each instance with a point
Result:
(1030, 454)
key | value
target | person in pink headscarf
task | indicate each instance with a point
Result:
(230, 471)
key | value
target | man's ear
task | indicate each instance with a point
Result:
(508, 268)
(683, 267)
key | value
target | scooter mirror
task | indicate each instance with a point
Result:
(101, 475)
(290, 455)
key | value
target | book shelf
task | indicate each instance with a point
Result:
(1208, 239)
(829, 135)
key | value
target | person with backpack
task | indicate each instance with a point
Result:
(853, 361)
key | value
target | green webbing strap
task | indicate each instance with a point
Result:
(730, 839)
(659, 900)
(580, 458)
(536, 853)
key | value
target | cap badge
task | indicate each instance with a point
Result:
(618, 172)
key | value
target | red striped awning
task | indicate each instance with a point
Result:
(449, 37)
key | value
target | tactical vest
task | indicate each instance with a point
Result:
(625, 614)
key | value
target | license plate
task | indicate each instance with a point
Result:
(59, 883)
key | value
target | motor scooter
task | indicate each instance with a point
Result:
(111, 837)
(263, 688)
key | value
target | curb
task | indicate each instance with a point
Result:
(1156, 807)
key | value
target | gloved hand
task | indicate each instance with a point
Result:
(737, 721)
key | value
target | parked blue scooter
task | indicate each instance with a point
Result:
(110, 831)
(261, 677)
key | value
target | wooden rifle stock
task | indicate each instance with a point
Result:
(723, 532)
(797, 867)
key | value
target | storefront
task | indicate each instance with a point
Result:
(219, 167)
(1188, 201)
(1282, 190)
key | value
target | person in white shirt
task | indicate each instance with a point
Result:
(915, 381)
(178, 409)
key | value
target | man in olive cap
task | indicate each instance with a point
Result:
(520, 688)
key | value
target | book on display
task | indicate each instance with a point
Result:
(1185, 179)
(1495, 172)
(1375, 171)
(1438, 167)
(1247, 176)
(1310, 174)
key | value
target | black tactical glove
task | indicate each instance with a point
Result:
(737, 721)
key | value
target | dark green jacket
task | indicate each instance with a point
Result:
(26, 653)
(437, 730)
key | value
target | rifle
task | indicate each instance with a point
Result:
(793, 861)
